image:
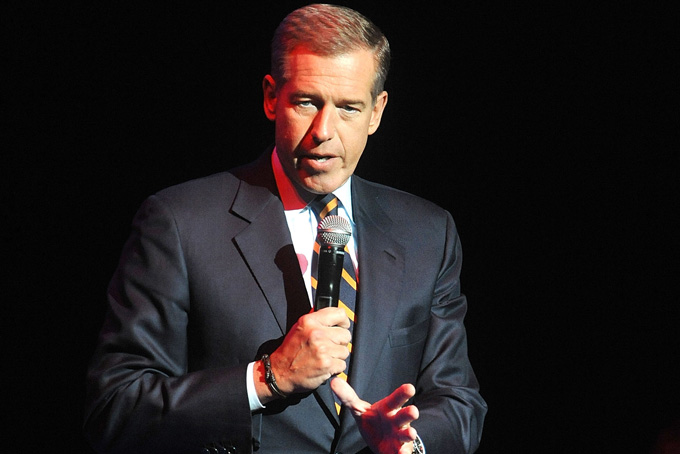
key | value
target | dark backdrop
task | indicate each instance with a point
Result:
(546, 128)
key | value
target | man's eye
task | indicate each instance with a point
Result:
(350, 109)
(304, 103)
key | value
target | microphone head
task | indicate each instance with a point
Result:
(334, 230)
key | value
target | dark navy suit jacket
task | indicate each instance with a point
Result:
(209, 280)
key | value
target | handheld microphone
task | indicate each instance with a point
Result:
(333, 233)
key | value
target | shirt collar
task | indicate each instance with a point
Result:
(293, 198)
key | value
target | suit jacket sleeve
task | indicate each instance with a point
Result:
(143, 396)
(447, 392)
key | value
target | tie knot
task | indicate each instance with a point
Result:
(323, 205)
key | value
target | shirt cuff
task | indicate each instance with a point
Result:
(253, 400)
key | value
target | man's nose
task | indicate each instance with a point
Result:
(323, 128)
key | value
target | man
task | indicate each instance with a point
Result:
(210, 343)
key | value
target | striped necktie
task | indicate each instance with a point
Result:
(323, 206)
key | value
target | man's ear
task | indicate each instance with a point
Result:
(376, 113)
(269, 91)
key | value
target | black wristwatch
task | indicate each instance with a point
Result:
(269, 377)
(418, 447)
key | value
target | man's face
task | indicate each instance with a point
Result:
(324, 114)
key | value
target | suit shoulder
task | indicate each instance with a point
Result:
(200, 195)
(395, 201)
(214, 184)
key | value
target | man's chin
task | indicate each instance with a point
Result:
(320, 184)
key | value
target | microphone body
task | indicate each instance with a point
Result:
(333, 234)
(331, 260)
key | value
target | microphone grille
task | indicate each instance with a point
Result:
(334, 230)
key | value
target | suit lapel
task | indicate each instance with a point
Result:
(266, 244)
(381, 268)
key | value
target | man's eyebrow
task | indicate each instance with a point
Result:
(301, 94)
(343, 102)
(349, 102)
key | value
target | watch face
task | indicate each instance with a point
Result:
(418, 446)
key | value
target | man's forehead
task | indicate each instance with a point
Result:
(353, 71)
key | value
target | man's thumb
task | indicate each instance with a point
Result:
(348, 397)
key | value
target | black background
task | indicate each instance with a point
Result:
(548, 129)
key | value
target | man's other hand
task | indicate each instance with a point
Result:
(386, 424)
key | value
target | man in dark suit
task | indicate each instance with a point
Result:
(210, 343)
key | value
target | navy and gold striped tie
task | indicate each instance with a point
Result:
(323, 206)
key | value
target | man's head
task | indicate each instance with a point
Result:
(325, 92)
(329, 30)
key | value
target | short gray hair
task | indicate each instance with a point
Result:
(329, 30)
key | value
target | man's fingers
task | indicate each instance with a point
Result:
(348, 397)
(340, 336)
(406, 416)
(332, 316)
(399, 397)
(407, 434)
